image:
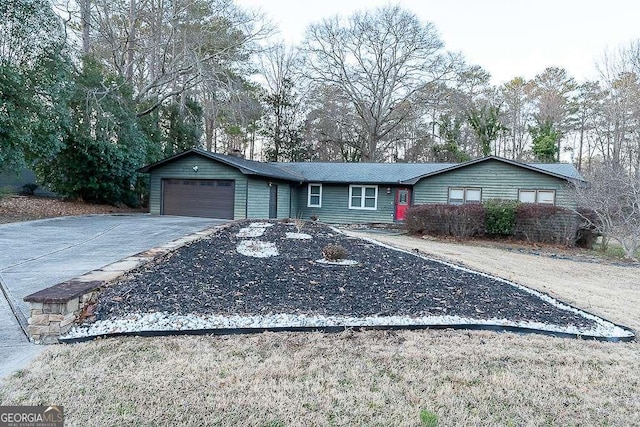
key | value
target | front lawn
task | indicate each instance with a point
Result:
(347, 379)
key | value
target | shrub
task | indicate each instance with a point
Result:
(29, 189)
(588, 227)
(425, 219)
(546, 224)
(466, 221)
(500, 216)
(333, 252)
(461, 221)
(5, 191)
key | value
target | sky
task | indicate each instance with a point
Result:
(508, 38)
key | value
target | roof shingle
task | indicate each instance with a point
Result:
(362, 173)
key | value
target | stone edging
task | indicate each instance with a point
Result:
(54, 310)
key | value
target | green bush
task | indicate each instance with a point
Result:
(500, 217)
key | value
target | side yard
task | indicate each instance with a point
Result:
(368, 378)
(27, 208)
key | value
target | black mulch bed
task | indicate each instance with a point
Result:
(211, 277)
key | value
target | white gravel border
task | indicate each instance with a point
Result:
(148, 322)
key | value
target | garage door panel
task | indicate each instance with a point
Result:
(198, 197)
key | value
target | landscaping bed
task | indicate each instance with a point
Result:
(218, 283)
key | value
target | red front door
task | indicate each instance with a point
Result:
(403, 200)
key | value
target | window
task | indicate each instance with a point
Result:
(460, 196)
(315, 196)
(543, 197)
(546, 197)
(527, 196)
(363, 197)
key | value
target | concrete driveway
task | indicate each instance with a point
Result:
(37, 254)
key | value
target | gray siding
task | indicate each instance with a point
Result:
(335, 206)
(296, 194)
(497, 180)
(258, 196)
(207, 169)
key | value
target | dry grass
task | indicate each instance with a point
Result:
(372, 378)
(368, 378)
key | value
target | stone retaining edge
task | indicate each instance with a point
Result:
(54, 310)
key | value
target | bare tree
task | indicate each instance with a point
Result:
(612, 202)
(619, 127)
(515, 99)
(552, 93)
(165, 48)
(585, 122)
(332, 126)
(283, 120)
(383, 62)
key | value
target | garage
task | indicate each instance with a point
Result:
(207, 198)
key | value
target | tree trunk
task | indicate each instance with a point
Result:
(85, 18)
(582, 120)
(131, 40)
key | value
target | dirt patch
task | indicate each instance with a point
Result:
(27, 208)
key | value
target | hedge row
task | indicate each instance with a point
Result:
(530, 222)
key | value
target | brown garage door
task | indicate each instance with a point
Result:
(208, 198)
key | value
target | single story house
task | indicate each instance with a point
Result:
(205, 184)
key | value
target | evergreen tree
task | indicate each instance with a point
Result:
(103, 145)
(450, 130)
(486, 124)
(544, 141)
(34, 75)
(183, 126)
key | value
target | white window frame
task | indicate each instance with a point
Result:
(537, 195)
(362, 197)
(553, 192)
(309, 204)
(526, 190)
(464, 195)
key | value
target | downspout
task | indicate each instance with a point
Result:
(246, 200)
(290, 197)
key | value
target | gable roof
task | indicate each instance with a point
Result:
(363, 173)
(247, 167)
(564, 171)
